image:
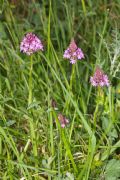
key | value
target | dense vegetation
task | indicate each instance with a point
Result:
(33, 145)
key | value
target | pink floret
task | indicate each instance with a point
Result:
(99, 78)
(63, 120)
(73, 53)
(31, 44)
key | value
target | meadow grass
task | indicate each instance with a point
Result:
(32, 143)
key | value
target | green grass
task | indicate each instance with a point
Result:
(32, 143)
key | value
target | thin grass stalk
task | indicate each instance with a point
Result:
(84, 7)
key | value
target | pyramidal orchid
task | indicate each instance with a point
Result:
(30, 44)
(73, 53)
(63, 120)
(99, 78)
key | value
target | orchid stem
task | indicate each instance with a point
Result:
(72, 76)
(30, 81)
(96, 109)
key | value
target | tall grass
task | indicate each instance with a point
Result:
(32, 143)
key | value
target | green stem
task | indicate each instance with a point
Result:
(96, 109)
(70, 87)
(30, 97)
(95, 115)
(51, 134)
(72, 76)
(30, 81)
(84, 7)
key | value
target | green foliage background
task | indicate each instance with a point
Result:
(32, 143)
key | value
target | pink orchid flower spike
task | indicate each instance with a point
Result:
(73, 53)
(99, 78)
(31, 44)
(63, 120)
